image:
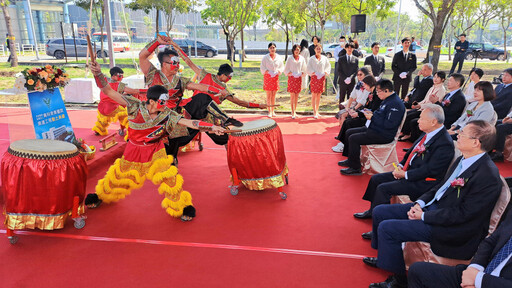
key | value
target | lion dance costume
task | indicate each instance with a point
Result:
(110, 111)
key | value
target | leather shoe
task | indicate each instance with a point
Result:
(343, 163)
(370, 261)
(391, 282)
(363, 215)
(367, 235)
(351, 171)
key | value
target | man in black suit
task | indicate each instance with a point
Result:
(422, 167)
(454, 102)
(403, 65)
(375, 61)
(347, 69)
(453, 216)
(460, 53)
(485, 270)
(503, 101)
(381, 129)
(420, 87)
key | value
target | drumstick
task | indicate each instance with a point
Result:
(232, 130)
(89, 46)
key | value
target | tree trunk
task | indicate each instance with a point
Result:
(287, 41)
(243, 47)
(12, 47)
(157, 21)
(228, 47)
(435, 40)
(232, 47)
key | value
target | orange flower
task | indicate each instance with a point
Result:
(48, 66)
(30, 82)
(57, 80)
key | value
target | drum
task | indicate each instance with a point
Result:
(42, 181)
(256, 154)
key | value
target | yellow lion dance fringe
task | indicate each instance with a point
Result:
(116, 185)
(103, 121)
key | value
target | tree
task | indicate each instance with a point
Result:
(171, 8)
(126, 21)
(285, 15)
(12, 47)
(439, 12)
(149, 24)
(233, 16)
(505, 14)
(97, 7)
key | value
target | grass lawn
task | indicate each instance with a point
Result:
(246, 83)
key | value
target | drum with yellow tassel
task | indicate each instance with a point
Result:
(43, 184)
(256, 157)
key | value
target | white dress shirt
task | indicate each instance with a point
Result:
(319, 67)
(297, 67)
(273, 66)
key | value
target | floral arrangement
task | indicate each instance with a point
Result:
(458, 183)
(44, 78)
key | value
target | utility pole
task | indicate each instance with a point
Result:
(109, 34)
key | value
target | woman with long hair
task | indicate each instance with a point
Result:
(357, 97)
(304, 52)
(295, 68)
(271, 67)
(318, 68)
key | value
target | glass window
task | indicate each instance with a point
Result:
(488, 46)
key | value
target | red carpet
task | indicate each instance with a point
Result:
(254, 239)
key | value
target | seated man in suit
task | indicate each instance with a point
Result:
(381, 129)
(422, 167)
(503, 101)
(491, 267)
(502, 131)
(375, 61)
(453, 216)
(454, 102)
(421, 88)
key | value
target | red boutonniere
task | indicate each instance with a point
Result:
(469, 113)
(446, 102)
(420, 150)
(458, 183)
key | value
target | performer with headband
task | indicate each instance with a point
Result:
(144, 156)
(204, 105)
(110, 111)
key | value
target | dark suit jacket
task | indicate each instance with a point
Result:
(420, 90)
(378, 67)
(434, 162)
(400, 65)
(503, 101)
(454, 109)
(355, 52)
(347, 68)
(461, 220)
(387, 119)
(489, 248)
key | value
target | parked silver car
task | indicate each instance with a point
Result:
(55, 48)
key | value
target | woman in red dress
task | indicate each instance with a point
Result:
(271, 67)
(295, 68)
(318, 68)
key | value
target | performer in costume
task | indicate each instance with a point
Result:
(144, 157)
(110, 111)
(203, 105)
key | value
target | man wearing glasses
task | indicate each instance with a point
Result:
(108, 110)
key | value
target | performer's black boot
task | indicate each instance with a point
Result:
(92, 200)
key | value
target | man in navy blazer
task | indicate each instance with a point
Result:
(420, 87)
(503, 101)
(454, 102)
(431, 275)
(347, 69)
(381, 127)
(422, 167)
(403, 65)
(453, 216)
(375, 61)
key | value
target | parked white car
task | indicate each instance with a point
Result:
(420, 51)
(329, 50)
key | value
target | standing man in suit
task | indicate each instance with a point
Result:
(380, 128)
(347, 69)
(420, 87)
(403, 65)
(422, 167)
(460, 53)
(453, 216)
(491, 267)
(336, 53)
(375, 61)
(503, 101)
(454, 102)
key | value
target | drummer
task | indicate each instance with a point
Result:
(202, 104)
(144, 156)
(108, 110)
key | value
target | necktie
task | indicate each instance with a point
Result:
(499, 257)
(375, 57)
(406, 165)
(348, 58)
(446, 184)
(405, 54)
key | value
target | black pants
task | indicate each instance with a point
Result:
(401, 87)
(350, 123)
(458, 58)
(411, 115)
(346, 89)
(356, 137)
(431, 275)
(502, 131)
(336, 76)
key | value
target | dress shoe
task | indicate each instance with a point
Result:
(364, 215)
(343, 163)
(351, 171)
(391, 282)
(370, 261)
(367, 235)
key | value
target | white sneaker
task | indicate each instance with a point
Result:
(338, 148)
